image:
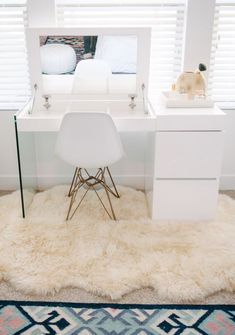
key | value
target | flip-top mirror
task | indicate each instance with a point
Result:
(89, 61)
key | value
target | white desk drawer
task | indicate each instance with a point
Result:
(184, 199)
(188, 154)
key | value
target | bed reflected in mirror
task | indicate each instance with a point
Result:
(97, 64)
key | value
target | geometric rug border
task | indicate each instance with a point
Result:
(69, 318)
(209, 307)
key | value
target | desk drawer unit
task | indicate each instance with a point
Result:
(186, 174)
(188, 154)
(178, 199)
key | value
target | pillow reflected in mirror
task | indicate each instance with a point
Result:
(119, 51)
(57, 58)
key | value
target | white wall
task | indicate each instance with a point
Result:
(41, 13)
(8, 159)
(198, 34)
(38, 158)
(227, 181)
(8, 155)
(129, 171)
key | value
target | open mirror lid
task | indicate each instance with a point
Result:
(127, 73)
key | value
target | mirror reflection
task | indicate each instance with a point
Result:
(100, 64)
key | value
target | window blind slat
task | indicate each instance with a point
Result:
(14, 79)
(222, 64)
(165, 17)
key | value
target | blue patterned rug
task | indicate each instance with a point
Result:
(46, 318)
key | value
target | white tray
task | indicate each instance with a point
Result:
(176, 100)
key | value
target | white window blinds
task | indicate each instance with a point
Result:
(165, 17)
(222, 67)
(14, 78)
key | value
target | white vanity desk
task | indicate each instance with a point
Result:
(184, 149)
(183, 156)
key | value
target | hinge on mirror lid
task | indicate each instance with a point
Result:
(132, 96)
(145, 102)
(46, 97)
(32, 99)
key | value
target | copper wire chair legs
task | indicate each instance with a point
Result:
(90, 182)
(73, 180)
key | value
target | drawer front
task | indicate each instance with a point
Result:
(190, 119)
(188, 154)
(184, 199)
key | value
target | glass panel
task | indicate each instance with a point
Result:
(26, 158)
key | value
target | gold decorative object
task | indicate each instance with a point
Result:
(192, 83)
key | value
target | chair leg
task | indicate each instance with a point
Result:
(106, 210)
(110, 202)
(91, 181)
(73, 180)
(116, 194)
(70, 207)
(74, 188)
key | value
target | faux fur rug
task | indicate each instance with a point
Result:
(183, 261)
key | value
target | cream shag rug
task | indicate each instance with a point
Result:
(183, 261)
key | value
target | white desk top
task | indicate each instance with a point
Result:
(195, 119)
(159, 118)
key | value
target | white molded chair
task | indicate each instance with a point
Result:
(89, 140)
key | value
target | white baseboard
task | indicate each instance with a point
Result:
(227, 182)
(135, 181)
(11, 182)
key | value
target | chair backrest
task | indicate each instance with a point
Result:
(93, 67)
(88, 140)
(91, 76)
